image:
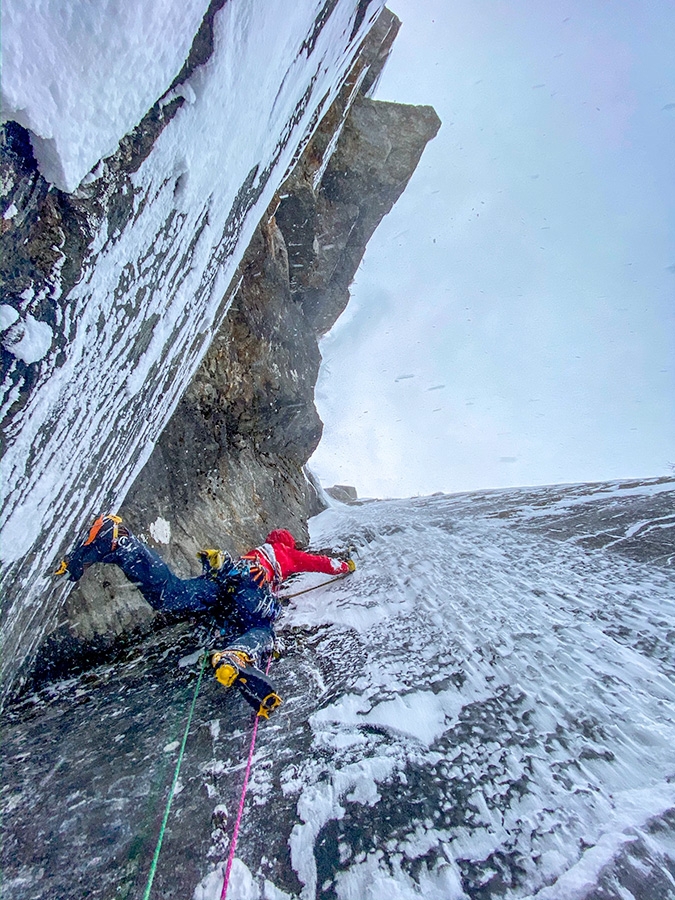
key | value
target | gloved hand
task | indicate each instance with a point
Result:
(351, 565)
(211, 559)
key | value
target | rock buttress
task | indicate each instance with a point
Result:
(228, 467)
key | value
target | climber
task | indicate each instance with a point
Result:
(240, 596)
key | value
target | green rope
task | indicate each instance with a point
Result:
(155, 860)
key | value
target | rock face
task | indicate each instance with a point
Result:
(345, 493)
(482, 711)
(228, 466)
(113, 294)
(378, 150)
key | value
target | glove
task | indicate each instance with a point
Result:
(212, 560)
(351, 565)
(216, 564)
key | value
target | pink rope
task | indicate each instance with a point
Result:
(235, 833)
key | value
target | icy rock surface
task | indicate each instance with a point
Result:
(80, 75)
(483, 710)
(101, 365)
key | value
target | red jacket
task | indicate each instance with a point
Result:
(278, 557)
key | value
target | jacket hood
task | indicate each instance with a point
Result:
(281, 536)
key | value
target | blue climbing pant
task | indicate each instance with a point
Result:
(244, 612)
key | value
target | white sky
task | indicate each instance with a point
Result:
(513, 319)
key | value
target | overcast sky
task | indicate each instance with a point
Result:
(513, 319)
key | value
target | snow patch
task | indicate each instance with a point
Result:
(161, 531)
(374, 879)
(190, 660)
(81, 76)
(28, 339)
(421, 715)
(183, 91)
(8, 315)
(241, 885)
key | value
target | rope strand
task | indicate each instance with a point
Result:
(155, 859)
(315, 586)
(235, 833)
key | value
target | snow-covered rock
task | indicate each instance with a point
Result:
(229, 464)
(123, 284)
(483, 710)
(81, 75)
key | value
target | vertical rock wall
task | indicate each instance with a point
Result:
(228, 467)
(112, 294)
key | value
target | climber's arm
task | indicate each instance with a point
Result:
(315, 562)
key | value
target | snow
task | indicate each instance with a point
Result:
(420, 715)
(532, 672)
(369, 881)
(28, 339)
(161, 530)
(584, 493)
(241, 885)
(80, 76)
(8, 315)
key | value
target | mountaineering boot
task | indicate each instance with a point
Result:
(103, 538)
(234, 667)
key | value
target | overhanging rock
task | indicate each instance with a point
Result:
(128, 279)
(229, 465)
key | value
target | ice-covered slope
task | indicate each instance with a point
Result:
(96, 369)
(483, 710)
(517, 701)
(81, 75)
